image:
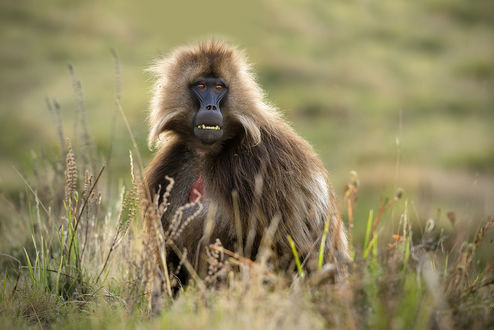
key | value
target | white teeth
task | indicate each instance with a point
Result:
(216, 127)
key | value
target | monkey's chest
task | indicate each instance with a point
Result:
(197, 190)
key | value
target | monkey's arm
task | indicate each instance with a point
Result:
(174, 160)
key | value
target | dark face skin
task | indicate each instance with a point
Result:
(208, 120)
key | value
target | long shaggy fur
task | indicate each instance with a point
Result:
(259, 150)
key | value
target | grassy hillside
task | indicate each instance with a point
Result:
(399, 92)
(369, 84)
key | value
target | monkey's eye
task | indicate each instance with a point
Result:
(201, 85)
(219, 87)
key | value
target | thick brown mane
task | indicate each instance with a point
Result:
(275, 173)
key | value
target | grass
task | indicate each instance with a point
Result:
(352, 73)
(398, 91)
(89, 263)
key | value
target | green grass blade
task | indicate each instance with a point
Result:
(44, 274)
(368, 230)
(323, 243)
(446, 266)
(30, 268)
(370, 246)
(59, 272)
(374, 248)
(4, 285)
(407, 251)
(297, 259)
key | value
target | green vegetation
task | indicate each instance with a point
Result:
(89, 263)
(399, 91)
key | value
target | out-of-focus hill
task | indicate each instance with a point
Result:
(400, 91)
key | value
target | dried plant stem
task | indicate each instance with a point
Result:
(12, 206)
(481, 233)
(118, 91)
(238, 224)
(77, 86)
(238, 257)
(233, 255)
(350, 224)
(112, 247)
(54, 108)
(70, 173)
(83, 207)
(339, 224)
(134, 143)
(162, 255)
(31, 189)
(189, 267)
(349, 199)
(382, 208)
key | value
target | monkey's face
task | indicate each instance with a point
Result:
(206, 95)
(208, 119)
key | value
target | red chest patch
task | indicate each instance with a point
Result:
(197, 190)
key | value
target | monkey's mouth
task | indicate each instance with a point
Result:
(209, 127)
(208, 133)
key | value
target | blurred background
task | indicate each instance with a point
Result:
(402, 92)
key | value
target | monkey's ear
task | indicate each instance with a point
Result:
(156, 118)
(156, 134)
(152, 137)
(156, 142)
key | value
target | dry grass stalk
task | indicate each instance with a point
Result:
(70, 173)
(128, 211)
(177, 225)
(218, 269)
(382, 208)
(188, 266)
(155, 262)
(349, 197)
(254, 217)
(91, 209)
(336, 237)
(238, 259)
(221, 249)
(458, 281)
(459, 277)
(481, 233)
(54, 108)
(87, 153)
(183, 259)
(84, 205)
(238, 223)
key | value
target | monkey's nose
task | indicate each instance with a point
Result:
(211, 107)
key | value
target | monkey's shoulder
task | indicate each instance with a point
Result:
(280, 158)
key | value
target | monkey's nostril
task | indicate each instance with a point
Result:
(208, 107)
